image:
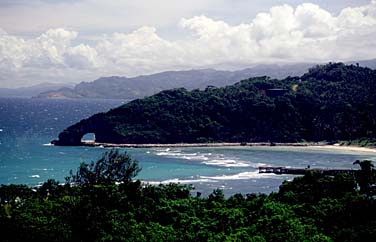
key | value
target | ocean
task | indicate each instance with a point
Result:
(28, 125)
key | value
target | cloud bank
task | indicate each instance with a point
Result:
(306, 33)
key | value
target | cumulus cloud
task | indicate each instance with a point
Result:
(44, 51)
(82, 57)
(142, 49)
(306, 33)
(283, 34)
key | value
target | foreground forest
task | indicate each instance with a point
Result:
(329, 103)
(102, 202)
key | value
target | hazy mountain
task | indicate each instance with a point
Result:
(366, 63)
(31, 91)
(116, 87)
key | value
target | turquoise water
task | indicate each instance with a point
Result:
(27, 126)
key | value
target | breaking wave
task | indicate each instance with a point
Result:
(206, 158)
(211, 179)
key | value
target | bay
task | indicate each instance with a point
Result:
(28, 125)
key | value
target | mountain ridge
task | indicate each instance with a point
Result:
(129, 88)
(118, 87)
(31, 91)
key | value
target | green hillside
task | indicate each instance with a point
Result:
(330, 102)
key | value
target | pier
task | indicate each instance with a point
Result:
(279, 170)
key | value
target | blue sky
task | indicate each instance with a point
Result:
(72, 41)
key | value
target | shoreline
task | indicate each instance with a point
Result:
(319, 145)
(348, 148)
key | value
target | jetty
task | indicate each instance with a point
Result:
(279, 170)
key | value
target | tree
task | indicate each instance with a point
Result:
(113, 166)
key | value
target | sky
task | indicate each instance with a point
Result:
(68, 41)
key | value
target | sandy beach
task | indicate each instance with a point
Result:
(347, 148)
(318, 145)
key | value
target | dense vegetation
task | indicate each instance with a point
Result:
(101, 202)
(331, 102)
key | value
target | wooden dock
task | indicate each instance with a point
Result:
(279, 170)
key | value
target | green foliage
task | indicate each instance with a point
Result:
(113, 166)
(311, 208)
(330, 102)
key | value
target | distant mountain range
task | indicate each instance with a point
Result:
(28, 92)
(117, 87)
(366, 63)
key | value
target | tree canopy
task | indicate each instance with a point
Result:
(313, 207)
(331, 102)
(113, 166)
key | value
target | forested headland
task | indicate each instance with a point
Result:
(102, 202)
(331, 102)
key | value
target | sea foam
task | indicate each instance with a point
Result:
(240, 176)
(226, 163)
(213, 179)
(181, 155)
(177, 180)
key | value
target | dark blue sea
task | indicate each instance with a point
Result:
(28, 125)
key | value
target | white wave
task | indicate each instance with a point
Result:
(164, 154)
(43, 169)
(186, 156)
(34, 176)
(1, 130)
(165, 150)
(176, 180)
(48, 144)
(201, 179)
(232, 163)
(197, 157)
(207, 158)
(226, 163)
(175, 153)
(240, 176)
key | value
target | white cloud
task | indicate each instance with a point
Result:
(283, 34)
(358, 17)
(82, 57)
(12, 52)
(44, 51)
(314, 22)
(306, 33)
